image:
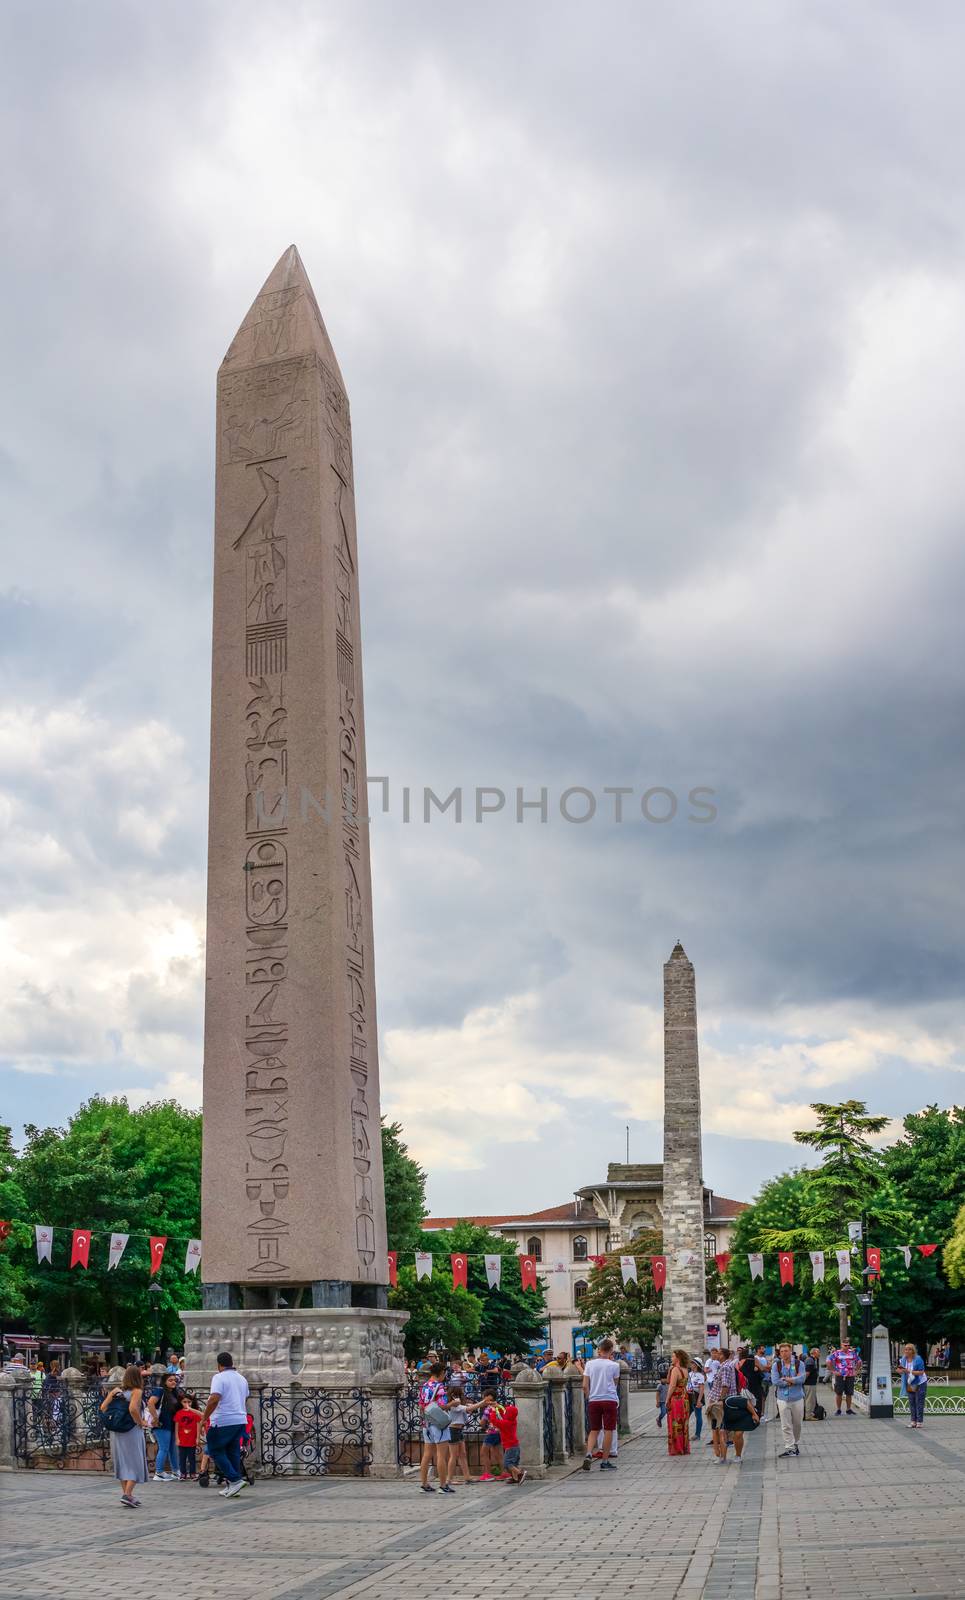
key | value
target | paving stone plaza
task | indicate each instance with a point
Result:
(871, 1509)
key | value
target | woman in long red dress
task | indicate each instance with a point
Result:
(678, 1410)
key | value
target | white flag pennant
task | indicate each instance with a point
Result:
(117, 1247)
(494, 1271)
(192, 1256)
(685, 1258)
(817, 1265)
(906, 1252)
(45, 1242)
(423, 1265)
(844, 1265)
(854, 1232)
(756, 1263)
(628, 1269)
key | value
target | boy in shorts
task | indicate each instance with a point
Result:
(509, 1439)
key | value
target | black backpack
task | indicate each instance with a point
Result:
(819, 1411)
(117, 1417)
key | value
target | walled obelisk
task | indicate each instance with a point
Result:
(293, 1209)
(684, 1308)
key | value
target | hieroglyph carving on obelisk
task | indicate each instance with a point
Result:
(684, 1307)
(292, 1179)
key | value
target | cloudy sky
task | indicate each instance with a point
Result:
(654, 333)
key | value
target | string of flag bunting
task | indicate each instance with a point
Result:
(81, 1240)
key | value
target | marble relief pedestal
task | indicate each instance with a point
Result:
(337, 1349)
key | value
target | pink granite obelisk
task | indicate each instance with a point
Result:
(292, 1188)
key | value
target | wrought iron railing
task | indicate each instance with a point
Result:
(60, 1426)
(549, 1423)
(936, 1405)
(314, 1432)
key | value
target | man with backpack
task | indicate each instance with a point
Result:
(812, 1368)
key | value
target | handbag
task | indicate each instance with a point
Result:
(436, 1416)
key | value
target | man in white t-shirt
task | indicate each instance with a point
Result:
(226, 1414)
(601, 1377)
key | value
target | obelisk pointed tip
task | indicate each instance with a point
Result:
(678, 953)
(283, 320)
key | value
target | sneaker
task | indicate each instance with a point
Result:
(445, 1489)
(720, 1461)
(523, 1476)
(129, 1500)
(608, 1466)
(485, 1477)
(738, 1461)
(785, 1452)
(234, 1488)
(427, 1488)
(587, 1463)
(796, 1451)
(598, 1455)
(850, 1412)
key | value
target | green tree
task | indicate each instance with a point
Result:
(115, 1170)
(841, 1188)
(927, 1166)
(13, 1271)
(440, 1317)
(954, 1253)
(630, 1313)
(405, 1191)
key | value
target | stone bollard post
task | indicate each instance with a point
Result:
(78, 1427)
(11, 1395)
(575, 1382)
(385, 1390)
(557, 1381)
(624, 1388)
(528, 1392)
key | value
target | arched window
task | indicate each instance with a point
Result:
(580, 1291)
(579, 1248)
(534, 1249)
(710, 1244)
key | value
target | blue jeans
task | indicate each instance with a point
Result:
(662, 1412)
(224, 1448)
(916, 1403)
(167, 1455)
(699, 1415)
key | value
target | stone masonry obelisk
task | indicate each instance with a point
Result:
(684, 1308)
(294, 1262)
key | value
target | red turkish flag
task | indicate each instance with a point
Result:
(926, 1249)
(527, 1271)
(787, 1267)
(722, 1262)
(460, 1266)
(658, 1271)
(874, 1260)
(157, 1251)
(598, 1261)
(4, 1229)
(393, 1268)
(80, 1248)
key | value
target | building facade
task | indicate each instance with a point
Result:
(601, 1218)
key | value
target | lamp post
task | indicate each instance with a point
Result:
(866, 1301)
(154, 1291)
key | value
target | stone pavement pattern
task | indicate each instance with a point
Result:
(870, 1509)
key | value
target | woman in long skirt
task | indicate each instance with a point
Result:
(129, 1450)
(678, 1409)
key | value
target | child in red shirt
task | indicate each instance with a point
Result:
(505, 1423)
(186, 1424)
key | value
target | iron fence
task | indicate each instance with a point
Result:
(549, 1423)
(314, 1432)
(936, 1405)
(60, 1426)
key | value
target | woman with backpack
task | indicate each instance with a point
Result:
(123, 1417)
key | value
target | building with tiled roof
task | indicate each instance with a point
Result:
(600, 1218)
